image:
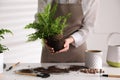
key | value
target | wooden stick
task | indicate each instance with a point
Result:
(29, 74)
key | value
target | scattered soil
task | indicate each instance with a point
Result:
(53, 69)
(76, 67)
(26, 71)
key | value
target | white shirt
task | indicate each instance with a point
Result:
(90, 10)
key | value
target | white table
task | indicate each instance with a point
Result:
(73, 75)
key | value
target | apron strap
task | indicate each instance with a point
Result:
(67, 1)
(79, 1)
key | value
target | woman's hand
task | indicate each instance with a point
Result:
(49, 48)
(68, 41)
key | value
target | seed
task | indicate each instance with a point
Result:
(85, 70)
(92, 71)
(81, 70)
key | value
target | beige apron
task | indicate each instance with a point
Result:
(74, 23)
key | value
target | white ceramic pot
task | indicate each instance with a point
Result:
(113, 53)
(113, 56)
(93, 59)
(1, 62)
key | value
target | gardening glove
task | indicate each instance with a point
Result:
(68, 41)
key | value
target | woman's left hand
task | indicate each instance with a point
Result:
(68, 41)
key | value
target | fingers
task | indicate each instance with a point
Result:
(50, 48)
(64, 50)
(66, 47)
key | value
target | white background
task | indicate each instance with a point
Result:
(15, 14)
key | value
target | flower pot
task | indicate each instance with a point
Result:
(1, 62)
(56, 42)
(113, 53)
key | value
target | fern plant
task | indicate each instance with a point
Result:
(47, 25)
(2, 33)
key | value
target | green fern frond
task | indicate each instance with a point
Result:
(3, 48)
(2, 33)
(47, 25)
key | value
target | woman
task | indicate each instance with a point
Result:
(80, 24)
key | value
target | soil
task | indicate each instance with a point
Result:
(25, 71)
(56, 42)
(40, 69)
(53, 69)
(76, 67)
